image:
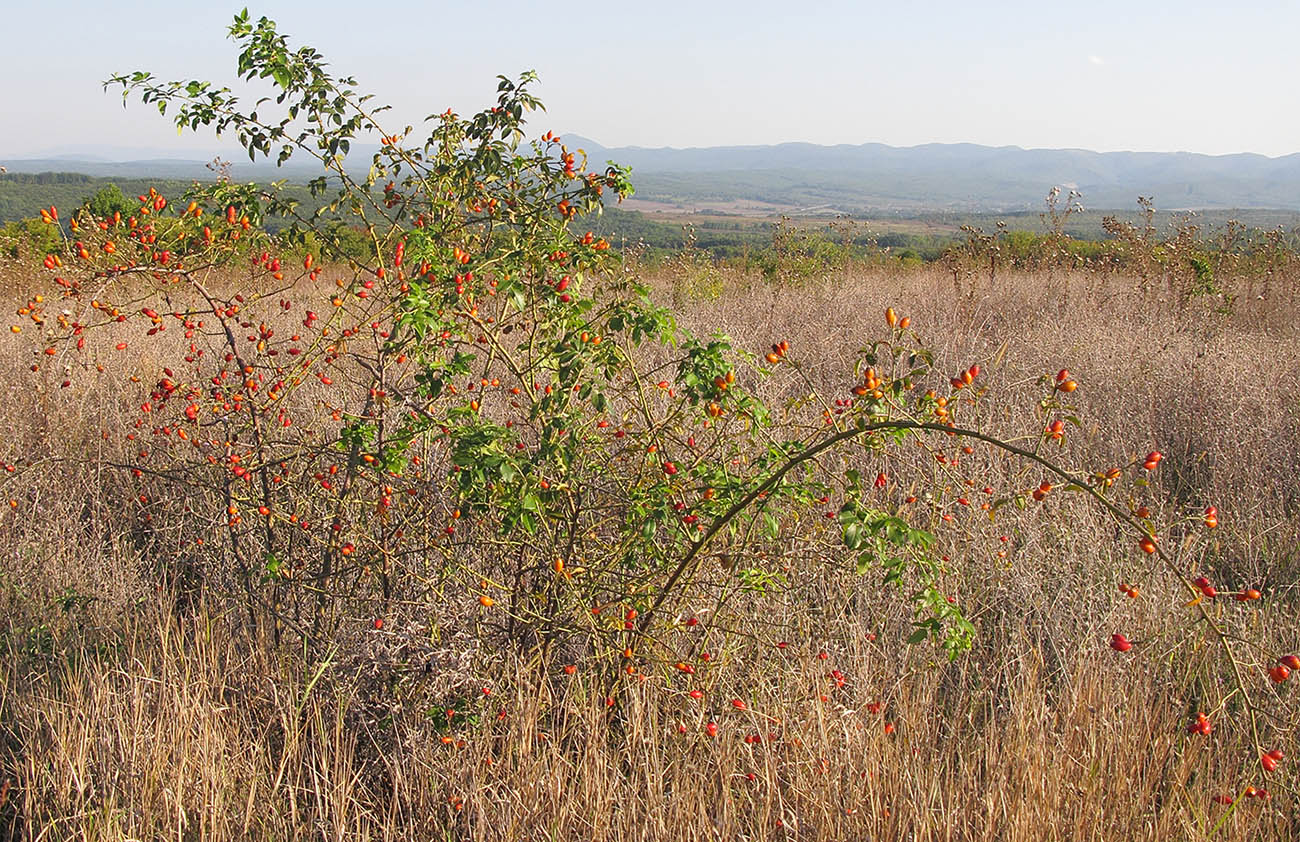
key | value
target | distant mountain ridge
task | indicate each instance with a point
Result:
(870, 177)
(161, 168)
(958, 176)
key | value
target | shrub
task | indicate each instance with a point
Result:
(26, 238)
(107, 201)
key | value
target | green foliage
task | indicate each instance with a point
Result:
(30, 238)
(797, 255)
(694, 273)
(108, 200)
(22, 195)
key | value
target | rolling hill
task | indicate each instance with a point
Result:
(866, 179)
(966, 177)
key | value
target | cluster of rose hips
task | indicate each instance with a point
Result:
(892, 319)
(1208, 591)
(1282, 670)
(1249, 792)
(778, 352)
(966, 378)
(1203, 584)
(1201, 726)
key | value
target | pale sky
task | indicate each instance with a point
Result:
(1161, 76)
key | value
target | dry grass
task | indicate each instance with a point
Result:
(127, 716)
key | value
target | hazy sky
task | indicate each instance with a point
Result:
(1199, 76)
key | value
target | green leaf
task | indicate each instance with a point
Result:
(853, 535)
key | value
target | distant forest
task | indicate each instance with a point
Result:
(921, 236)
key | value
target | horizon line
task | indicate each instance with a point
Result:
(91, 157)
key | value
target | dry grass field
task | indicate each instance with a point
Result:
(130, 709)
